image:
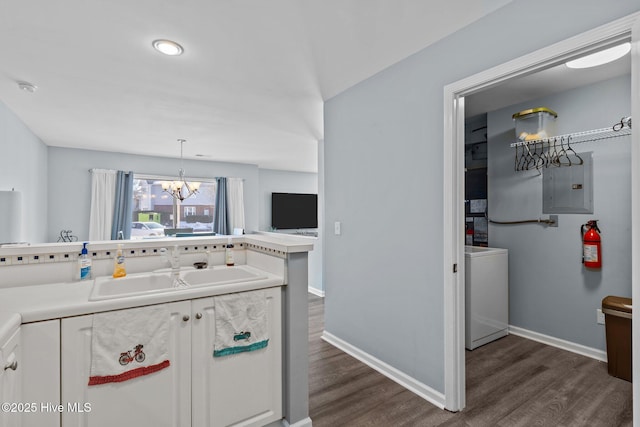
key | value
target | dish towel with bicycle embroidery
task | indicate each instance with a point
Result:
(127, 344)
(241, 323)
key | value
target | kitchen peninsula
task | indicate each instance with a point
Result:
(46, 318)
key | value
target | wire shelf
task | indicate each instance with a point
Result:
(557, 150)
(578, 137)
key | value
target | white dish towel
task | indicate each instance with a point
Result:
(241, 323)
(127, 344)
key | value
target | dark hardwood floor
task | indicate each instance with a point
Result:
(510, 382)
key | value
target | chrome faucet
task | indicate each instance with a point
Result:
(209, 258)
(174, 261)
(173, 258)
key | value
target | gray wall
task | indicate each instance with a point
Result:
(292, 182)
(383, 182)
(69, 183)
(36, 170)
(549, 290)
(23, 166)
(283, 182)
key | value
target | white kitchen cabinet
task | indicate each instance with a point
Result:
(41, 372)
(243, 389)
(195, 390)
(10, 382)
(158, 399)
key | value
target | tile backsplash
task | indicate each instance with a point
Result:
(24, 265)
(28, 265)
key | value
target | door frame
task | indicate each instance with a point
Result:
(453, 173)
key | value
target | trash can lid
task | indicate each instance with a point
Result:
(617, 303)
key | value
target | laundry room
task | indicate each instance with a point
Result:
(536, 196)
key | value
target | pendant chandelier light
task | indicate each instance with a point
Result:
(180, 189)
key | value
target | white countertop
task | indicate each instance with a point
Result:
(283, 242)
(51, 301)
(31, 303)
(286, 243)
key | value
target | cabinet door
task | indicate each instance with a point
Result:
(10, 381)
(158, 399)
(241, 389)
(41, 372)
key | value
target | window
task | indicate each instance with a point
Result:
(152, 204)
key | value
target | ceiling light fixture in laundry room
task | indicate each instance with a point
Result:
(27, 87)
(168, 47)
(601, 57)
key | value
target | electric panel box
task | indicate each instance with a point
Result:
(568, 189)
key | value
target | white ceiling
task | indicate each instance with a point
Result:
(543, 83)
(249, 87)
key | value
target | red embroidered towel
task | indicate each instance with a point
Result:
(126, 344)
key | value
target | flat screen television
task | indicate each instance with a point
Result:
(294, 210)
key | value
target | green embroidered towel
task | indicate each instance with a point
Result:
(241, 323)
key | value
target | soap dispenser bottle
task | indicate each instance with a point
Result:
(229, 253)
(119, 269)
(84, 264)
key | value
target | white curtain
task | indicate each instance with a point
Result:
(103, 190)
(235, 203)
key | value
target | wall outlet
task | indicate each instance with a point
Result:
(599, 316)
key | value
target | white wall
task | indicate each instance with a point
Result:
(550, 292)
(384, 178)
(23, 166)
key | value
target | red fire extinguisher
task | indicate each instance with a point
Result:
(591, 248)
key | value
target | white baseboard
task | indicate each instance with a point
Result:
(302, 423)
(593, 353)
(316, 292)
(410, 383)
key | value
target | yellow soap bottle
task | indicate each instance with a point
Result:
(119, 269)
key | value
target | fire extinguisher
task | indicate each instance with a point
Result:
(591, 248)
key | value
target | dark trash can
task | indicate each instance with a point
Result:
(617, 312)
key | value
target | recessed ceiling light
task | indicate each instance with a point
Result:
(602, 57)
(168, 47)
(27, 87)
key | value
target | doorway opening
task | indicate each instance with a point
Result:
(462, 96)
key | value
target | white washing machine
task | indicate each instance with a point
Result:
(486, 294)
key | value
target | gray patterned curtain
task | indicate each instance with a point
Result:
(221, 216)
(122, 211)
